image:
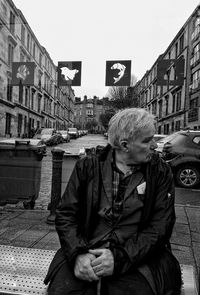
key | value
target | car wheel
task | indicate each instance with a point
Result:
(188, 176)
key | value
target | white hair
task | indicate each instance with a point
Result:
(128, 124)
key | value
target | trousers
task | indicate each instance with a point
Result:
(65, 283)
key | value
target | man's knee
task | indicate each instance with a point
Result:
(126, 285)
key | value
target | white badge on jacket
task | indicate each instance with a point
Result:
(141, 188)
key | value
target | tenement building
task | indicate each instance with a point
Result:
(43, 104)
(176, 106)
(87, 113)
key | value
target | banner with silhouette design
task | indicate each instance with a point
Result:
(23, 73)
(69, 73)
(170, 72)
(118, 73)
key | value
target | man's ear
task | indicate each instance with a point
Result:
(124, 145)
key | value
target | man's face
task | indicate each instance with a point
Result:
(142, 148)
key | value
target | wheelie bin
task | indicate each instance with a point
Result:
(20, 170)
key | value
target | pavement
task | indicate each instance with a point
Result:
(28, 228)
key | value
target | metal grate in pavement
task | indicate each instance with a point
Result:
(188, 276)
(22, 270)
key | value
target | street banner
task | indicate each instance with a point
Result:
(23, 73)
(170, 72)
(69, 73)
(118, 73)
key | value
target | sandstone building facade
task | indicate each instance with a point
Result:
(176, 107)
(44, 104)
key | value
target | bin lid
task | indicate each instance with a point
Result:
(24, 144)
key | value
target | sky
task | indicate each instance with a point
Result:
(94, 32)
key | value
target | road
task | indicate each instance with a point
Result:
(183, 196)
(187, 196)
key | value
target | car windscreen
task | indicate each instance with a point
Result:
(158, 137)
(46, 131)
(72, 129)
(167, 138)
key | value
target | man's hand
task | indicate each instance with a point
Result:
(103, 265)
(83, 269)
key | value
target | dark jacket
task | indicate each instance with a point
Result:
(76, 215)
(77, 212)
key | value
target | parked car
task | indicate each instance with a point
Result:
(80, 133)
(73, 132)
(158, 137)
(49, 136)
(106, 134)
(161, 139)
(65, 135)
(182, 152)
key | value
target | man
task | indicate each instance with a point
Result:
(116, 217)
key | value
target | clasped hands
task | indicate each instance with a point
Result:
(94, 264)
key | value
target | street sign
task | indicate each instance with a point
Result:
(23, 73)
(69, 73)
(170, 72)
(118, 73)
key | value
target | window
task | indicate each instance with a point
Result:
(196, 28)
(39, 103)
(166, 129)
(181, 43)
(20, 93)
(9, 90)
(173, 102)
(22, 34)
(194, 103)
(178, 101)
(22, 57)
(172, 129)
(32, 99)
(33, 50)
(12, 22)
(195, 79)
(19, 125)
(25, 126)
(26, 97)
(45, 105)
(177, 125)
(197, 22)
(166, 105)
(196, 55)
(176, 50)
(154, 108)
(28, 42)
(10, 54)
(8, 124)
(160, 108)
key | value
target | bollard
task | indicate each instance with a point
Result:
(57, 158)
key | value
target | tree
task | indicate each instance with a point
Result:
(121, 97)
(90, 125)
(105, 117)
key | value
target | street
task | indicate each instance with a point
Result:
(183, 196)
(187, 196)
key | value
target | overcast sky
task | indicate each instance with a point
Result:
(95, 31)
